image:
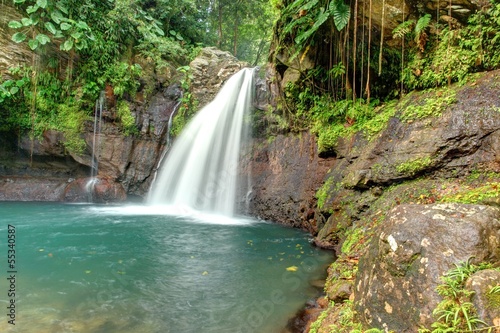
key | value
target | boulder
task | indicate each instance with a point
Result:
(210, 69)
(18, 188)
(98, 190)
(395, 287)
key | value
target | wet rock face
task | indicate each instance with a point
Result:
(284, 178)
(17, 188)
(397, 277)
(99, 190)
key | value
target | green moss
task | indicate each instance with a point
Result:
(71, 120)
(126, 118)
(323, 193)
(475, 195)
(412, 167)
(432, 107)
(354, 238)
(315, 326)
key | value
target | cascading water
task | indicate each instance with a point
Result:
(169, 139)
(201, 170)
(99, 106)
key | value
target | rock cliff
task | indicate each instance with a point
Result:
(420, 168)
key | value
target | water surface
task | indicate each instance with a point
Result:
(90, 269)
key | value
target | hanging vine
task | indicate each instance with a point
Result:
(381, 39)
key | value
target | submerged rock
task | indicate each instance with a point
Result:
(397, 277)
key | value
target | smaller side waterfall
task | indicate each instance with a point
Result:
(99, 106)
(169, 140)
(201, 169)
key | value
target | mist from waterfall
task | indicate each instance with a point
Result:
(200, 171)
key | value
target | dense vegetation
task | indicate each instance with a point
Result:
(83, 47)
(355, 70)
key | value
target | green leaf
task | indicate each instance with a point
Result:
(15, 25)
(50, 27)
(19, 1)
(32, 9)
(67, 45)
(43, 39)
(18, 37)
(341, 13)
(26, 21)
(8, 83)
(33, 44)
(20, 83)
(76, 35)
(56, 16)
(14, 90)
(82, 25)
(65, 26)
(309, 5)
(41, 3)
(62, 8)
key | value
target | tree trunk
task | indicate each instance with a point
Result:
(235, 33)
(219, 14)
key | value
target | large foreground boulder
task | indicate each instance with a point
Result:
(397, 278)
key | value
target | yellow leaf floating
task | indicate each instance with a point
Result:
(41, 250)
(292, 268)
(88, 271)
(204, 273)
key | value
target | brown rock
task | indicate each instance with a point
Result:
(415, 246)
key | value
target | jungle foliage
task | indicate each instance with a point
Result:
(83, 47)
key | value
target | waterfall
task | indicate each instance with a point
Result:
(201, 169)
(169, 141)
(99, 105)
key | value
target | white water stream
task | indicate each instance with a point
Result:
(200, 170)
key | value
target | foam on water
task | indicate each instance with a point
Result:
(180, 211)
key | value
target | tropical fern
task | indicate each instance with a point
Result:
(403, 29)
(420, 35)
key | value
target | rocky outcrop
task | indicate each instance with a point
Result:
(408, 166)
(285, 175)
(210, 69)
(99, 190)
(397, 278)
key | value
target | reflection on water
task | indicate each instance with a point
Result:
(84, 268)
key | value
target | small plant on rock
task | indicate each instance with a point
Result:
(456, 313)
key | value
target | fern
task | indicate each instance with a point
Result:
(420, 35)
(403, 29)
(422, 24)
